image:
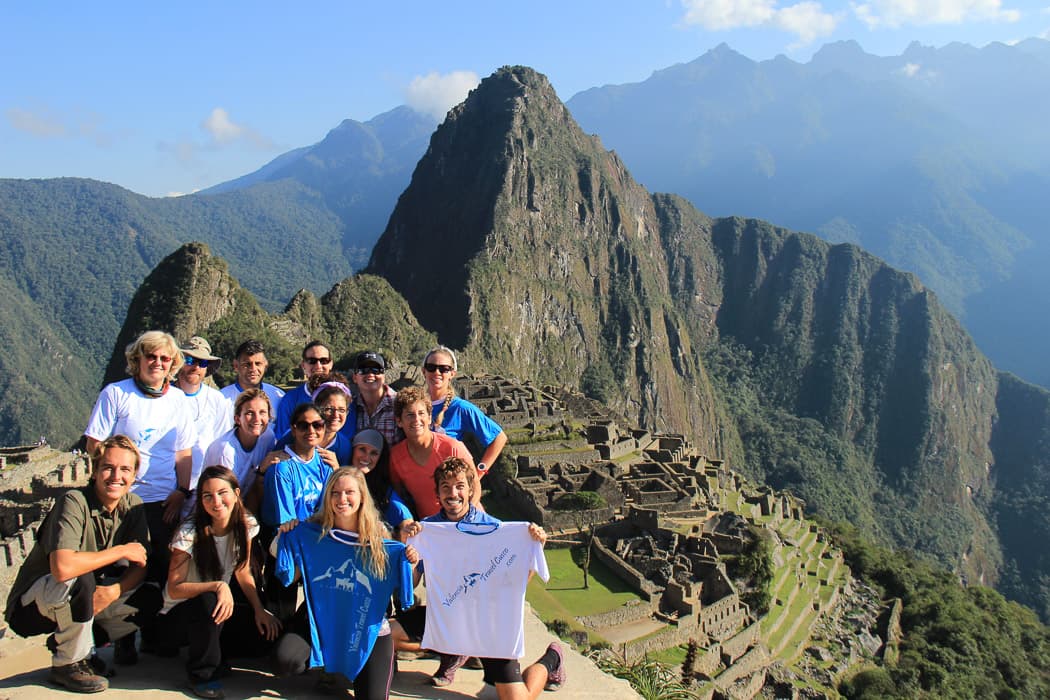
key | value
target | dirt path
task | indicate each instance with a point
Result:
(24, 670)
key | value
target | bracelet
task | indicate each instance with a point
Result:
(185, 491)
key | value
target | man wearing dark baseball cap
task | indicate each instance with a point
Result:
(374, 403)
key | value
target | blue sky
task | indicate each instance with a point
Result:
(177, 98)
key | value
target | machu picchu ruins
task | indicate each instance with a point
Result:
(665, 520)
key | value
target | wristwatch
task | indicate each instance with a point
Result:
(482, 467)
(185, 491)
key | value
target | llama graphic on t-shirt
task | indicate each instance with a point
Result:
(346, 583)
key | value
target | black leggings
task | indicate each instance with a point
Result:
(292, 656)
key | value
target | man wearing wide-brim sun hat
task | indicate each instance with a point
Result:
(200, 350)
(208, 408)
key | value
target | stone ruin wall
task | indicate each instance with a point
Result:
(27, 497)
(675, 483)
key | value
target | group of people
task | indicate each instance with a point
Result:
(210, 513)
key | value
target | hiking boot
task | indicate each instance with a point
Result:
(446, 672)
(78, 677)
(556, 677)
(124, 651)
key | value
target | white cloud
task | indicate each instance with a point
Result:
(807, 20)
(224, 131)
(911, 69)
(41, 124)
(435, 94)
(898, 13)
(221, 128)
(728, 14)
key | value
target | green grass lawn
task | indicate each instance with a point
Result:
(675, 656)
(564, 597)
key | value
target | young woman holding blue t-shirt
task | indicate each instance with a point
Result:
(458, 417)
(349, 569)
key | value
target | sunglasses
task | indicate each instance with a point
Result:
(303, 425)
(317, 360)
(196, 362)
(154, 357)
(443, 369)
(369, 370)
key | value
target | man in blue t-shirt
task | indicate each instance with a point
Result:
(317, 359)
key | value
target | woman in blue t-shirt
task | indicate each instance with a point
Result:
(458, 417)
(350, 571)
(292, 487)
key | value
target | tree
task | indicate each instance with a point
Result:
(586, 507)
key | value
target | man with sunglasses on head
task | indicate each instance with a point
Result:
(317, 359)
(208, 407)
(374, 403)
(249, 364)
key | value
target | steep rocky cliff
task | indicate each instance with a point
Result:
(525, 243)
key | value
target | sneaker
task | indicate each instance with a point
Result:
(207, 689)
(78, 677)
(556, 678)
(124, 651)
(446, 672)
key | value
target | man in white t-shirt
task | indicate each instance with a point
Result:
(477, 568)
(208, 407)
(249, 364)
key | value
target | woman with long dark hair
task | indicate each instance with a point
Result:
(211, 548)
(292, 487)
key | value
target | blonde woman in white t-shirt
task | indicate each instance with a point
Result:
(209, 549)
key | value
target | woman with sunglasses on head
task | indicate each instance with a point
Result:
(210, 549)
(158, 420)
(458, 417)
(331, 395)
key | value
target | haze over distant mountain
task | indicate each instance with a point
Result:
(937, 160)
(812, 366)
(358, 170)
(73, 251)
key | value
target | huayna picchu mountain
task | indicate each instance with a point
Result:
(814, 367)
